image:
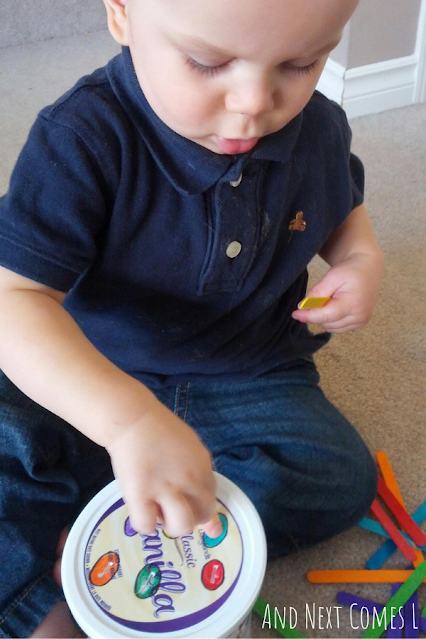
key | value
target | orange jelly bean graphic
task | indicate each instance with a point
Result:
(213, 574)
(104, 569)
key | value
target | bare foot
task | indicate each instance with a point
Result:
(56, 572)
(58, 623)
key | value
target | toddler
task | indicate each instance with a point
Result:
(153, 250)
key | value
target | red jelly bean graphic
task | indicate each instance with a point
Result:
(213, 574)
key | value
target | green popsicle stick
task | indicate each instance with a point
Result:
(286, 632)
(399, 599)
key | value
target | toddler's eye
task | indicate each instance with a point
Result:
(205, 69)
(301, 70)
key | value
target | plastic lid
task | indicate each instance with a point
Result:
(119, 583)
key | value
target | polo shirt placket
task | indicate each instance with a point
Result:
(235, 220)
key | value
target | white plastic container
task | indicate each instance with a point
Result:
(119, 583)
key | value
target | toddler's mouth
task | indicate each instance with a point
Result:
(234, 146)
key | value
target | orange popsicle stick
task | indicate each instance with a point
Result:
(359, 576)
(401, 514)
(393, 532)
(388, 476)
(392, 484)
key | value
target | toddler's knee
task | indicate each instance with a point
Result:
(361, 491)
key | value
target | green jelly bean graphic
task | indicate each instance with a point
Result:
(147, 581)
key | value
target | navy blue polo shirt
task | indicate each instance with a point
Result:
(179, 263)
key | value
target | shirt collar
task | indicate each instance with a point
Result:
(190, 167)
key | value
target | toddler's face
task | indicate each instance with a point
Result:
(224, 73)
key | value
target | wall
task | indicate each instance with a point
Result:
(379, 30)
(380, 63)
(24, 21)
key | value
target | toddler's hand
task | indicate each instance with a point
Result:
(353, 286)
(165, 473)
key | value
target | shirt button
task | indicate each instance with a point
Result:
(237, 182)
(233, 249)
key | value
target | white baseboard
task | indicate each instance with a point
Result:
(371, 88)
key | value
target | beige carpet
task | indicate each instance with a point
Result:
(375, 376)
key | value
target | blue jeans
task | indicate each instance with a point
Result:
(299, 460)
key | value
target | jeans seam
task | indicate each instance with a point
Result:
(25, 594)
(186, 403)
(177, 399)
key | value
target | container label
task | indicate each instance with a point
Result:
(155, 583)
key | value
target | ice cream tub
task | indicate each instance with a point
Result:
(119, 583)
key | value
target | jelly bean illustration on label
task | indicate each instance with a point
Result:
(104, 569)
(213, 574)
(211, 542)
(147, 581)
(129, 531)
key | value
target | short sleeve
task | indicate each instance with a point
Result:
(356, 167)
(54, 211)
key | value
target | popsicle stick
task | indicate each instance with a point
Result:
(347, 599)
(287, 632)
(381, 555)
(398, 599)
(411, 616)
(392, 484)
(359, 576)
(422, 624)
(418, 515)
(388, 476)
(313, 302)
(375, 527)
(401, 514)
(395, 632)
(392, 530)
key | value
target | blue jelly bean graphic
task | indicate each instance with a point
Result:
(209, 542)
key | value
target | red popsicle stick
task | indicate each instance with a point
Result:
(393, 532)
(401, 514)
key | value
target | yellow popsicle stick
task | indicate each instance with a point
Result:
(359, 576)
(392, 484)
(313, 302)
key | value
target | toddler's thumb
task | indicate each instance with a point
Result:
(326, 287)
(213, 528)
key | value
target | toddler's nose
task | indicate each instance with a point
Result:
(251, 98)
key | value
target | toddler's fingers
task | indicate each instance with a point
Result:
(343, 329)
(213, 528)
(332, 312)
(179, 518)
(143, 515)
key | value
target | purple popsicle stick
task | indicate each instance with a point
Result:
(411, 616)
(398, 623)
(347, 599)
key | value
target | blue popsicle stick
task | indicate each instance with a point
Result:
(411, 616)
(398, 622)
(418, 516)
(385, 551)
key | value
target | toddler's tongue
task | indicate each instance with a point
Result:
(232, 147)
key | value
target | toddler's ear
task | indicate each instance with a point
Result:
(117, 20)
